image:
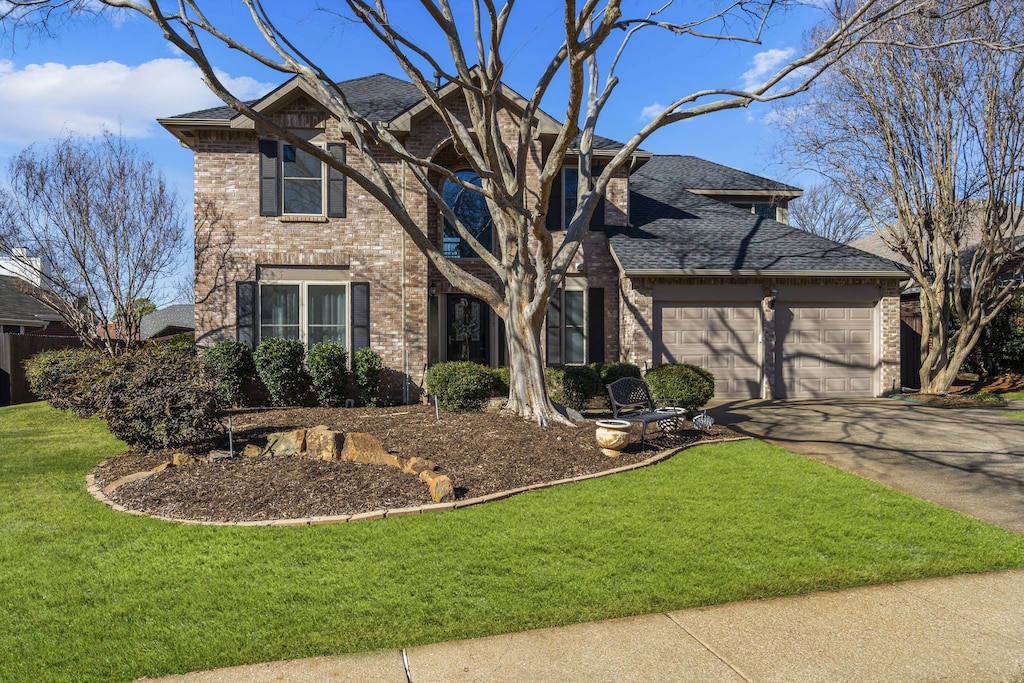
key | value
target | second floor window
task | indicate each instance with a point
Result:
(302, 181)
(293, 182)
(471, 209)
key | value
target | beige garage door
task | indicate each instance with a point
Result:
(825, 351)
(723, 338)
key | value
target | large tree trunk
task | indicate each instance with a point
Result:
(528, 395)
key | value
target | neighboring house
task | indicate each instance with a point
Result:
(31, 269)
(27, 326)
(682, 264)
(911, 321)
(22, 313)
(168, 321)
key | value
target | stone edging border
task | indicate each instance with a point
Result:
(100, 494)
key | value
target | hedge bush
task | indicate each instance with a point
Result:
(159, 399)
(681, 384)
(230, 365)
(502, 380)
(366, 371)
(327, 363)
(610, 372)
(572, 385)
(279, 363)
(63, 378)
(460, 386)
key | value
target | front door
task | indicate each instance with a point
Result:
(468, 329)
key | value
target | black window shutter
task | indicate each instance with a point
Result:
(245, 313)
(269, 185)
(595, 325)
(336, 183)
(554, 218)
(553, 325)
(597, 218)
(360, 316)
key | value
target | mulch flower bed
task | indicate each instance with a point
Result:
(481, 453)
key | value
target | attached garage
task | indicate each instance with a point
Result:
(826, 338)
(718, 329)
(827, 348)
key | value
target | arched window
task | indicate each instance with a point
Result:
(471, 208)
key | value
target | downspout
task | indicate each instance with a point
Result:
(405, 347)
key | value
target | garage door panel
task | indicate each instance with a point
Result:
(860, 337)
(825, 350)
(722, 337)
(840, 337)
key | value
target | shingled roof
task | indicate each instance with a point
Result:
(674, 231)
(694, 173)
(378, 98)
(17, 307)
(171, 319)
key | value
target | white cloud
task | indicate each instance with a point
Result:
(650, 111)
(765, 64)
(41, 101)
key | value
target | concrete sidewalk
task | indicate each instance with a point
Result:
(962, 628)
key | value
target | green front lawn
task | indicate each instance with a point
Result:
(90, 594)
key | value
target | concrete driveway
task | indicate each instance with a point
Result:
(970, 460)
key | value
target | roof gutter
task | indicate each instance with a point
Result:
(676, 272)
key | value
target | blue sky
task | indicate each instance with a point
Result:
(122, 74)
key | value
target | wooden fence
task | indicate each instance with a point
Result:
(15, 349)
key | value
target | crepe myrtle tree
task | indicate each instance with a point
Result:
(107, 228)
(930, 144)
(580, 73)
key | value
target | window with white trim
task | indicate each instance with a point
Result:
(310, 311)
(294, 182)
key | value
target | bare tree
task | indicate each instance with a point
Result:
(932, 144)
(104, 219)
(825, 211)
(529, 262)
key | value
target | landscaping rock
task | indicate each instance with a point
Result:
(286, 443)
(416, 465)
(179, 459)
(365, 448)
(440, 486)
(324, 444)
(251, 450)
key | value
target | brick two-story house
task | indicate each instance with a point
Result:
(688, 260)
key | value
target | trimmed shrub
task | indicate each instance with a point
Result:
(460, 386)
(366, 371)
(502, 379)
(63, 377)
(572, 385)
(159, 399)
(681, 384)
(610, 372)
(327, 363)
(230, 365)
(279, 365)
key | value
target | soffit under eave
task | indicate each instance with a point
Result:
(185, 129)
